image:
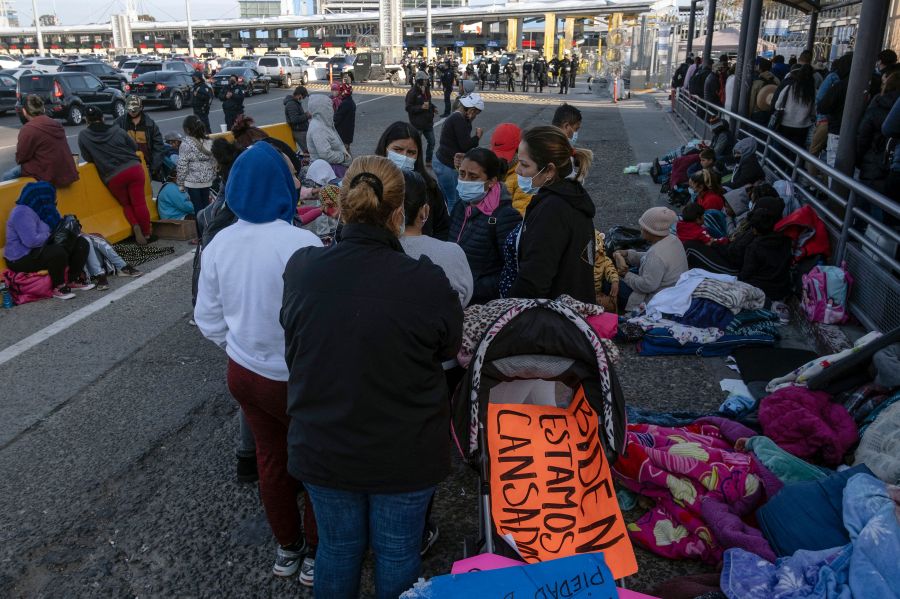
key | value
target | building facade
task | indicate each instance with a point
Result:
(252, 9)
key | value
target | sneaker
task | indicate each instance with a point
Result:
(62, 292)
(429, 537)
(101, 283)
(307, 570)
(287, 559)
(192, 322)
(129, 271)
(77, 286)
(246, 469)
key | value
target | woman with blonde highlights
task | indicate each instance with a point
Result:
(556, 246)
(367, 328)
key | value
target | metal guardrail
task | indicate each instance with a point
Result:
(840, 201)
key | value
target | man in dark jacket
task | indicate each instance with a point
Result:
(232, 96)
(556, 249)
(145, 133)
(203, 96)
(565, 67)
(712, 86)
(297, 117)
(697, 82)
(421, 112)
(448, 80)
(42, 151)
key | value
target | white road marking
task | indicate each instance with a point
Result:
(17, 349)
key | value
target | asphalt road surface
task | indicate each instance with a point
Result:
(117, 434)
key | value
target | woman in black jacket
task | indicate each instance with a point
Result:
(871, 145)
(366, 329)
(482, 220)
(401, 143)
(556, 247)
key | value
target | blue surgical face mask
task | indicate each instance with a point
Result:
(470, 191)
(693, 193)
(404, 163)
(526, 184)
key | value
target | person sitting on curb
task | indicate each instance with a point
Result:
(657, 268)
(42, 151)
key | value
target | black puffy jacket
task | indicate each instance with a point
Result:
(419, 117)
(366, 329)
(556, 249)
(481, 238)
(767, 264)
(871, 143)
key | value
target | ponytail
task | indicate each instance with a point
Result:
(583, 159)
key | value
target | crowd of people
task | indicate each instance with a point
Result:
(803, 101)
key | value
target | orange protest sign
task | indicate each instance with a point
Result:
(551, 488)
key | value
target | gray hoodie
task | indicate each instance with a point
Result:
(322, 138)
(110, 148)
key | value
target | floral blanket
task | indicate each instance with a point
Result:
(702, 488)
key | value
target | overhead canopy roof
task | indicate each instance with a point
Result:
(803, 5)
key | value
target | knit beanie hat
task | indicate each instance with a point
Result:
(658, 220)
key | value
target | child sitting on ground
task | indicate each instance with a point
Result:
(707, 161)
(605, 275)
(690, 227)
(767, 258)
(706, 188)
(659, 267)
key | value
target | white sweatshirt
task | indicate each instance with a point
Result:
(240, 289)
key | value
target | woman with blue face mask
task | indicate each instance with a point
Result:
(482, 219)
(556, 247)
(401, 143)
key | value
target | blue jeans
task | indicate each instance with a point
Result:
(349, 521)
(446, 180)
(428, 134)
(16, 171)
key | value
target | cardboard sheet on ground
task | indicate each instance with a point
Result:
(575, 577)
(551, 487)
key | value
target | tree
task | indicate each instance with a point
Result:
(147, 18)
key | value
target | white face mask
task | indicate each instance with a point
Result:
(404, 163)
(470, 191)
(574, 137)
(526, 184)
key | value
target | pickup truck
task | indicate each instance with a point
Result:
(366, 66)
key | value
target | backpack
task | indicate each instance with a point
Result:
(825, 293)
(27, 287)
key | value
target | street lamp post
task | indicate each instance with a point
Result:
(190, 31)
(428, 47)
(37, 27)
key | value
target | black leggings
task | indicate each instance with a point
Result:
(55, 259)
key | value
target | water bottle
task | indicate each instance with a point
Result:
(7, 297)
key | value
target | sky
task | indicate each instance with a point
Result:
(98, 11)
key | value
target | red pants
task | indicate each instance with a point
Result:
(264, 403)
(128, 188)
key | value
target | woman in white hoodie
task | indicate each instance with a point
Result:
(238, 306)
(322, 138)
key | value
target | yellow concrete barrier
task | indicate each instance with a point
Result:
(93, 204)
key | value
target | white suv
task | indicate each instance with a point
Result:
(42, 63)
(282, 69)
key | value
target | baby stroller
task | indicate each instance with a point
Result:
(540, 414)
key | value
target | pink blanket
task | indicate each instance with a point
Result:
(702, 489)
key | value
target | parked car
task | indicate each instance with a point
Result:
(129, 65)
(101, 70)
(164, 88)
(282, 69)
(249, 78)
(8, 87)
(42, 63)
(66, 95)
(16, 73)
(308, 70)
(320, 63)
(239, 63)
(340, 64)
(149, 66)
(8, 62)
(194, 63)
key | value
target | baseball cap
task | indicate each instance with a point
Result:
(505, 140)
(472, 100)
(133, 104)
